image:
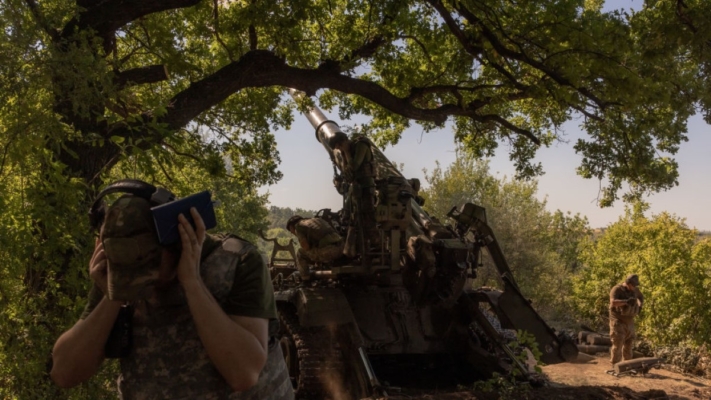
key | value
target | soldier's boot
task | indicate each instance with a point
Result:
(304, 272)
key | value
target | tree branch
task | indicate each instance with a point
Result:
(252, 37)
(108, 16)
(454, 90)
(142, 75)
(367, 50)
(502, 49)
(507, 124)
(6, 149)
(461, 36)
(421, 45)
(41, 21)
(683, 17)
(475, 50)
(262, 68)
(216, 19)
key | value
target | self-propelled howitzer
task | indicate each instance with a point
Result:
(396, 306)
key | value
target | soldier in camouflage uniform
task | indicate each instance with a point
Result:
(204, 315)
(625, 303)
(319, 242)
(358, 168)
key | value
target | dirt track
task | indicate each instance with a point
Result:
(589, 381)
(592, 375)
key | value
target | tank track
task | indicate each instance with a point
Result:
(320, 360)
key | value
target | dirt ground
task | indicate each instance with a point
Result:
(587, 379)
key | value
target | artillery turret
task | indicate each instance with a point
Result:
(395, 308)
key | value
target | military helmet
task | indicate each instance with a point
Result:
(632, 279)
(337, 139)
(293, 221)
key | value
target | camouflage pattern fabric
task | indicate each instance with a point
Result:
(363, 171)
(275, 375)
(325, 244)
(363, 190)
(131, 247)
(685, 359)
(168, 360)
(355, 159)
(363, 213)
(627, 312)
(622, 335)
(317, 232)
(622, 332)
(304, 258)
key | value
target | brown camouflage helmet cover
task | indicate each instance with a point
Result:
(131, 247)
(632, 279)
(293, 221)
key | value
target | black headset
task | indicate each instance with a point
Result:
(155, 195)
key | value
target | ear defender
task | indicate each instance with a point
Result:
(153, 194)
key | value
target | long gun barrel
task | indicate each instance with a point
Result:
(328, 132)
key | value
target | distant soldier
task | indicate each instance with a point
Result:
(319, 242)
(625, 303)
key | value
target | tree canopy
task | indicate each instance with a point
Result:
(89, 80)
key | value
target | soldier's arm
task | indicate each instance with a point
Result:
(79, 352)
(361, 151)
(302, 236)
(619, 303)
(237, 346)
(615, 300)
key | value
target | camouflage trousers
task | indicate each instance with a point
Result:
(622, 336)
(305, 258)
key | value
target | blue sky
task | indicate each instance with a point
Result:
(308, 173)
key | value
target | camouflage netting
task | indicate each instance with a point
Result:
(645, 347)
(571, 334)
(687, 360)
(507, 334)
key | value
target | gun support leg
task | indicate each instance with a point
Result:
(491, 332)
(515, 312)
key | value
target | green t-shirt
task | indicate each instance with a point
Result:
(251, 293)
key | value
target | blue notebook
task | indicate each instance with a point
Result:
(165, 216)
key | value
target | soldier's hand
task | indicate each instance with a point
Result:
(98, 267)
(632, 301)
(192, 240)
